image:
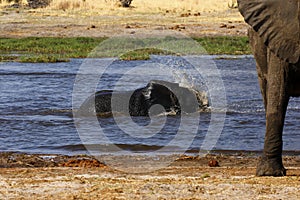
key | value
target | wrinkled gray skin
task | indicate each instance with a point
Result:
(170, 97)
(274, 38)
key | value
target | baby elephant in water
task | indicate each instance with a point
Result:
(155, 98)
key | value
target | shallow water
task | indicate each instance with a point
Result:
(36, 108)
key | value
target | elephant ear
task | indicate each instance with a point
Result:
(277, 23)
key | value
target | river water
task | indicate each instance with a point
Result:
(36, 108)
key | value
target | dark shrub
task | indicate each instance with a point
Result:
(125, 3)
(38, 3)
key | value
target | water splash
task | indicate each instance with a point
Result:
(186, 76)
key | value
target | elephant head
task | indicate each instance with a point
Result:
(277, 23)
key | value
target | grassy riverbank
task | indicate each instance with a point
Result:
(46, 49)
(51, 49)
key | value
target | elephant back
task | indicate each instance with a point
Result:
(277, 23)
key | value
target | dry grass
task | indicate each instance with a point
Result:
(98, 18)
(145, 5)
(77, 4)
(4, 3)
(184, 5)
(140, 6)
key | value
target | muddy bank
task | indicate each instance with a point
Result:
(225, 159)
(23, 160)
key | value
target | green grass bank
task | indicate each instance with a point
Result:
(50, 49)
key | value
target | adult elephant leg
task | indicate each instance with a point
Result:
(260, 53)
(277, 101)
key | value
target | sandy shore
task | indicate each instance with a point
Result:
(188, 177)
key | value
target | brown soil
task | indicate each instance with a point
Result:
(188, 177)
(42, 23)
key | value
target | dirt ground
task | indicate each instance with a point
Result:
(188, 177)
(24, 22)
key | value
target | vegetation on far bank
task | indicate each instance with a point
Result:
(49, 49)
(230, 45)
(46, 49)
